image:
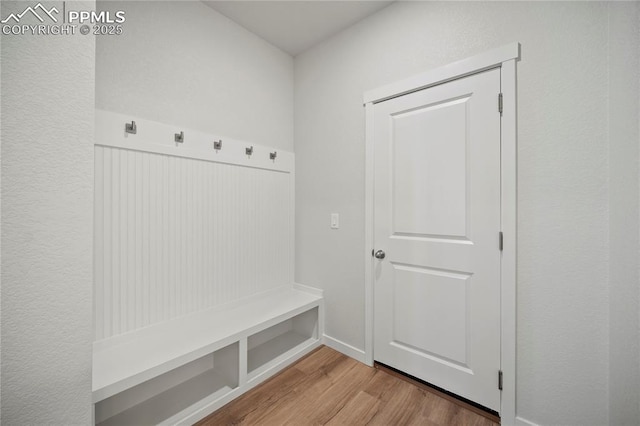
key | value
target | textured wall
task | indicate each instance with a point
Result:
(47, 168)
(184, 63)
(1, 10)
(624, 350)
(563, 223)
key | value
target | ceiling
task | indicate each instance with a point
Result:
(295, 26)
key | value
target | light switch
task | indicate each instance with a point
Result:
(335, 221)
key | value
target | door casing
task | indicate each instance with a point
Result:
(505, 58)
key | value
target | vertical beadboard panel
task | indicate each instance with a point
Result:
(99, 242)
(176, 235)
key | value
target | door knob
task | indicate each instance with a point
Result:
(380, 254)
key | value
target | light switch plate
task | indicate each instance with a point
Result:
(335, 221)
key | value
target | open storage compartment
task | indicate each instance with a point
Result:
(165, 398)
(270, 346)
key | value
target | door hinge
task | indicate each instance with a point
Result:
(499, 379)
(500, 103)
(500, 240)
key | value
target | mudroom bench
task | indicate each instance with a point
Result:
(180, 371)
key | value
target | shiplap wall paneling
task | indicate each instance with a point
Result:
(174, 235)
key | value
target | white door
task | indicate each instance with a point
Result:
(437, 218)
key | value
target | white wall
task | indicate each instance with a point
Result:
(184, 63)
(1, 227)
(563, 179)
(624, 350)
(47, 168)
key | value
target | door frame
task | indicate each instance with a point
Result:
(505, 58)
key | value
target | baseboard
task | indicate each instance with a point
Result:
(348, 350)
(523, 422)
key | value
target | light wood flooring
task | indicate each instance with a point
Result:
(329, 388)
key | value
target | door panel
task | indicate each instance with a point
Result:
(429, 296)
(437, 217)
(435, 186)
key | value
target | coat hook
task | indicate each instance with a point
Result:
(273, 155)
(249, 150)
(179, 137)
(131, 128)
(217, 145)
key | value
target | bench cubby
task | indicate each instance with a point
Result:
(267, 347)
(165, 398)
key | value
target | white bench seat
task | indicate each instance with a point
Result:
(125, 361)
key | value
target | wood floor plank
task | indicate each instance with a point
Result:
(440, 411)
(402, 408)
(322, 402)
(253, 404)
(359, 410)
(329, 388)
(323, 357)
(382, 386)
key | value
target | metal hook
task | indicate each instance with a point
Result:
(217, 145)
(273, 155)
(179, 137)
(131, 128)
(249, 150)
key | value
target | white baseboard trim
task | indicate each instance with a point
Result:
(348, 350)
(523, 422)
